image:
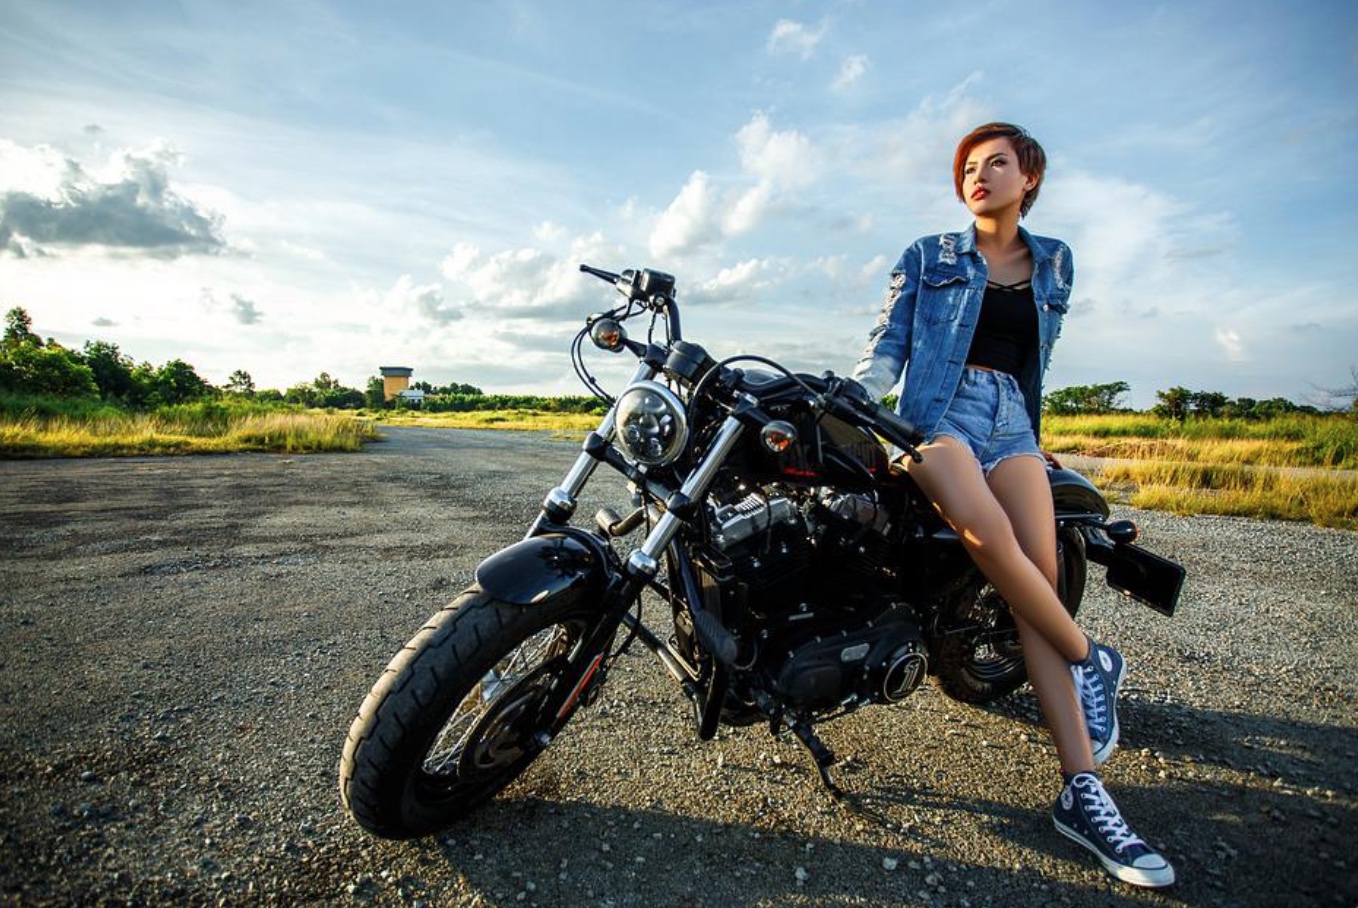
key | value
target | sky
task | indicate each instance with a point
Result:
(324, 186)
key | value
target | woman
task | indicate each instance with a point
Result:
(975, 315)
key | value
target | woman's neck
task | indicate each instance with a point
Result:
(997, 235)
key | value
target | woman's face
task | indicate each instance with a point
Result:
(991, 179)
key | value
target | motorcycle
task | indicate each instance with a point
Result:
(800, 573)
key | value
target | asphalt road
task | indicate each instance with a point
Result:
(184, 641)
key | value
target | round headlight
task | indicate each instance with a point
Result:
(651, 426)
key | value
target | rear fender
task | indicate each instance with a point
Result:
(1074, 495)
(560, 563)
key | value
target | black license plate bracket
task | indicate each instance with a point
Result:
(1146, 577)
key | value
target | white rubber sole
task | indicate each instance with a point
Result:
(1147, 877)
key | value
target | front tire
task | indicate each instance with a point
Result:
(981, 660)
(459, 713)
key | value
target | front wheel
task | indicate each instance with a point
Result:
(460, 712)
(980, 658)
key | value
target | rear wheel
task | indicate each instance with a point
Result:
(980, 658)
(460, 712)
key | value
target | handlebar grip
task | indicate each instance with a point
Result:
(904, 431)
(600, 273)
(901, 431)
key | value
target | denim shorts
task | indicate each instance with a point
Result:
(989, 416)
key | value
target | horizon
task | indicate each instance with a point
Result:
(325, 188)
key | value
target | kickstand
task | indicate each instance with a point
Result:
(822, 755)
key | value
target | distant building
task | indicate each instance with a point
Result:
(411, 396)
(396, 382)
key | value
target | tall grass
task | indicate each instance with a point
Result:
(209, 427)
(1293, 467)
(1275, 494)
(1294, 440)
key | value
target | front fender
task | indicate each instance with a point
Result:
(541, 568)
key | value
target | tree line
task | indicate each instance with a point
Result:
(1181, 403)
(35, 367)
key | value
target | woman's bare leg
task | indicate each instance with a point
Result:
(952, 479)
(1020, 486)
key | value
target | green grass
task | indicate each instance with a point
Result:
(84, 430)
(509, 420)
(1297, 440)
(1295, 467)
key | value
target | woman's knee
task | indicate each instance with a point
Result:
(991, 540)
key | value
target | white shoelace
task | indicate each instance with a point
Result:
(1104, 814)
(1092, 697)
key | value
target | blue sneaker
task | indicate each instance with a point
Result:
(1085, 814)
(1097, 680)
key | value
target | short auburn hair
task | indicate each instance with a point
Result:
(1032, 160)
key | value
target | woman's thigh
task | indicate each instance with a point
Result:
(1020, 486)
(950, 475)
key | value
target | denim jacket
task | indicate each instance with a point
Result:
(930, 316)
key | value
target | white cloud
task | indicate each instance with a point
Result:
(423, 300)
(701, 215)
(529, 282)
(548, 232)
(52, 204)
(1231, 343)
(744, 280)
(875, 271)
(850, 71)
(918, 148)
(748, 210)
(789, 37)
(783, 159)
(691, 220)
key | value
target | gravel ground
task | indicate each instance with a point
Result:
(185, 641)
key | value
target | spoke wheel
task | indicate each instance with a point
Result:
(979, 655)
(460, 712)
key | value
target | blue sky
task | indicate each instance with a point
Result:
(291, 188)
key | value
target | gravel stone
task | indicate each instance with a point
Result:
(184, 641)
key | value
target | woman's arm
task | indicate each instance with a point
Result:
(888, 345)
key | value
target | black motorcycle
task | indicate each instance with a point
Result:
(800, 572)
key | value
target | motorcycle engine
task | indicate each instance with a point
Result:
(823, 629)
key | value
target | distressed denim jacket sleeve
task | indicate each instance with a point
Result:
(883, 359)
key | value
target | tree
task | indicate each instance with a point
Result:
(19, 329)
(51, 370)
(325, 391)
(458, 388)
(324, 384)
(1085, 399)
(1208, 403)
(113, 373)
(240, 383)
(1173, 403)
(1344, 397)
(176, 383)
(375, 395)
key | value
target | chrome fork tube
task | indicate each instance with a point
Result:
(563, 498)
(645, 559)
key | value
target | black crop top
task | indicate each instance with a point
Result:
(1006, 332)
